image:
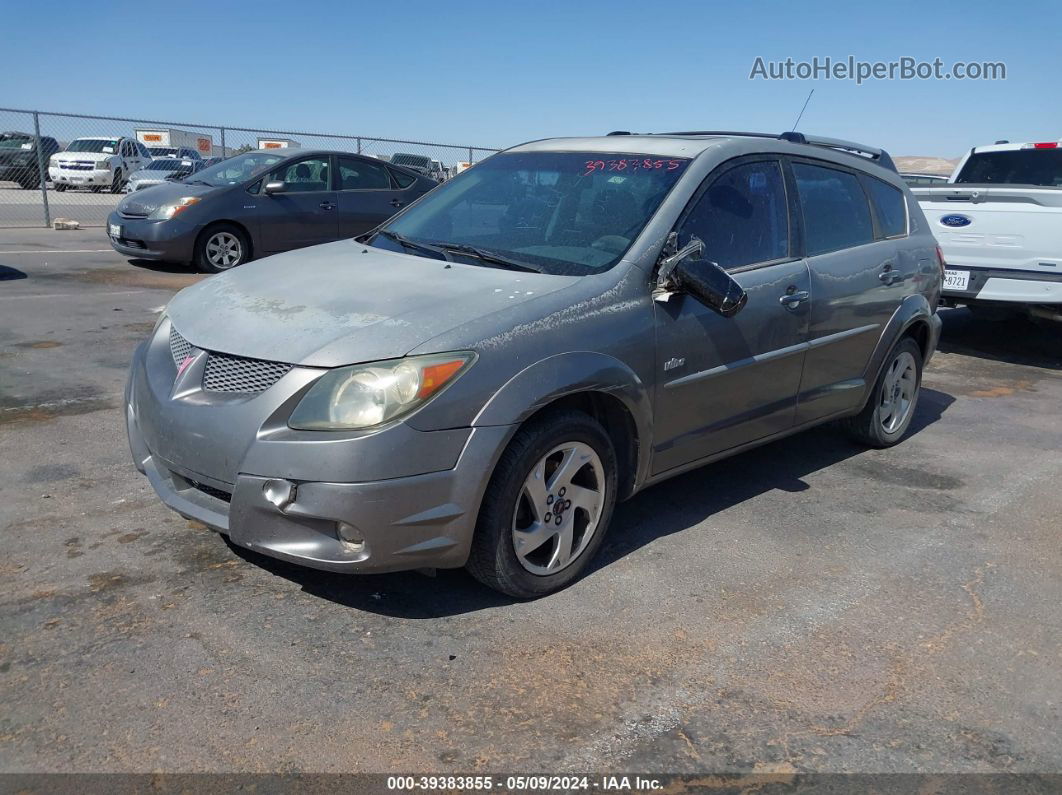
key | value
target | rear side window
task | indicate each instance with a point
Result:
(357, 174)
(742, 217)
(1016, 167)
(401, 179)
(835, 209)
(890, 206)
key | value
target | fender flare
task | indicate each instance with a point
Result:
(564, 374)
(912, 310)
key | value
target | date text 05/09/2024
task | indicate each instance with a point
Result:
(516, 783)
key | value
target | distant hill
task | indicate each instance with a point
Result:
(925, 165)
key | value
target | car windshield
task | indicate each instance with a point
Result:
(1015, 167)
(411, 160)
(237, 169)
(103, 145)
(560, 212)
(15, 142)
(168, 165)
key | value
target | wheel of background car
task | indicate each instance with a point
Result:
(59, 187)
(891, 407)
(221, 248)
(547, 506)
(30, 181)
(116, 183)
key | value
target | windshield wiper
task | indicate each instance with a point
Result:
(489, 256)
(406, 242)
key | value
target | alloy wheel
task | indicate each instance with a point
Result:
(558, 509)
(898, 392)
(224, 250)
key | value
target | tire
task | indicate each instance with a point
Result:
(220, 248)
(30, 181)
(569, 451)
(59, 186)
(888, 412)
(116, 183)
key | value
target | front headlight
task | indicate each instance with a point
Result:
(104, 164)
(167, 211)
(365, 395)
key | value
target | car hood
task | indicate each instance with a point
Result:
(344, 303)
(65, 155)
(138, 205)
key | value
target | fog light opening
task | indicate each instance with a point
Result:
(350, 536)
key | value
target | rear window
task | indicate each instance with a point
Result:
(890, 206)
(835, 209)
(1016, 167)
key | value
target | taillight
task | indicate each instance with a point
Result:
(940, 262)
(1045, 145)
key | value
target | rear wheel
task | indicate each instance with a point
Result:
(888, 413)
(547, 507)
(221, 248)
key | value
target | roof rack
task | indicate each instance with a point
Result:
(873, 153)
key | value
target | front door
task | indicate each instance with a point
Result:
(728, 381)
(305, 212)
(367, 197)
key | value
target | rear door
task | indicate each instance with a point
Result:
(858, 278)
(367, 194)
(728, 381)
(305, 213)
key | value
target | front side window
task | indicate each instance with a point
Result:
(357, 174)
(890, 206)
(559, 212)
(835, 209)
(304, 176)
(742, 217)
(237, 169)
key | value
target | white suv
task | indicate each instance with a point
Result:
(97, 163)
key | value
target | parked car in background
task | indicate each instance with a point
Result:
(170, 152)
(210, 161)
(999, 223)
(162, 170)
(260, 203)
(19, 159)
(97, 163)
(420, 164)
(924, 179)
(481, 380)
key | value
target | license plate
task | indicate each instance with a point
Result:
(115, 230)
(956, 280)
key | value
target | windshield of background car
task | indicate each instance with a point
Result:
(411, 160)
(1015, 167)
(168, 165)
(100, 145)
(15, 142)
(562, 212)
(237, 169)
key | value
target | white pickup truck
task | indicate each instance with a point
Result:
(999, 224)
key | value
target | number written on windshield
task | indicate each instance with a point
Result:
(631, 164)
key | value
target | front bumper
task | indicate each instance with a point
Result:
(170, 240)
(92, 177)
(1006, 286)
(405, 522)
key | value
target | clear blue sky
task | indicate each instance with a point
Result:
(497, 73)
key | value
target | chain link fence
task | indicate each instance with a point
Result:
(86, 161)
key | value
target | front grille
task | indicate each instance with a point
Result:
(210, 491)
(180, 348)
(76, 166)
(225, 373)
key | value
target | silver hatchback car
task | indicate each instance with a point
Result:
(482, 379)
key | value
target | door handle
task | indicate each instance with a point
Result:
(888, 275)
(396, 203)
(794, 299)
(327, 206)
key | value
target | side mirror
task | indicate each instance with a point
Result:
(711, 285)
(274, 187)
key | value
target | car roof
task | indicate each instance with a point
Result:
(692, 144)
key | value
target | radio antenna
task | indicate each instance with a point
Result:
(806, 101)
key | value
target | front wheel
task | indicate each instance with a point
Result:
(59, 186)
(547, 507)
(116, 183)
(221, 248)
(888, 413)
(30, 181)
